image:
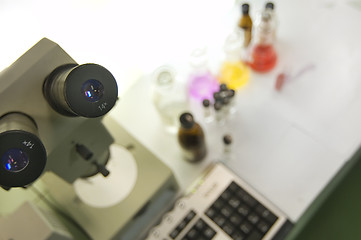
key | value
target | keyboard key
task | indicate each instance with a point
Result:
(200, 225)
(235, 219)
(240, 193)
(182, 225)
(250, 201)
(233, 187)
(253, 218)
(192, 234)
(209, 233)
(174, 233)
(219, 220)
(238, 236)
(243, 210)
(266, 214)
(254, 235)
(211, 212)
(218, 204)
(228, 228)
(179, 228)
(245, 228)
(226, 211)
(263, 226)
(234, 202)
(190, 216)
(226, 195)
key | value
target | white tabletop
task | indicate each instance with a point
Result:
(289, 143)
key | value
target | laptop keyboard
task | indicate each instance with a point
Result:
(235, 212)
(240, 215)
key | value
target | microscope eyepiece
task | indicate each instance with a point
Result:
(87, 90)
(22, 154)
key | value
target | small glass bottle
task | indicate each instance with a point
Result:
(232, 104)
(191, 138)
(234, 73)
(263, 56)
(219, 114)
(202, 83)
(169, 97)
(227, 148)
(207, 111)
(270, 8)
(245, 24)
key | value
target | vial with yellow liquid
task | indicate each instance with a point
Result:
(233, 72)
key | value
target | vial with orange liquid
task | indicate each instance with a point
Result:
(234, 73)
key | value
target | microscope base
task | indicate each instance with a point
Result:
(130, 219)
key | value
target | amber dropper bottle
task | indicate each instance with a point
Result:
(245, 23)
(191, 138)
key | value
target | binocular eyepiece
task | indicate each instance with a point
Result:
(22, 153)
(87, 90)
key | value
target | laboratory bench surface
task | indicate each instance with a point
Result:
(288, 144)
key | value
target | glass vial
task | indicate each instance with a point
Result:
(245, 24)
(227, 148)
(191, 138)
(202, 83)
(263, 54)
(234, 73)
(207, 111)
(169, 97)
(218, 113)
(270, 8)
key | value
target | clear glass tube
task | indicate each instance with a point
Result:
(202, 83)
(169, 97)
(234, 73)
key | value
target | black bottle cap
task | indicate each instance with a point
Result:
(206, 103)
(227, 139)
(218, 105)
(217, 96)
(223, 87)
(245, 8)
(186, 120)
(270, 5)
(231, 93)
(226, 101)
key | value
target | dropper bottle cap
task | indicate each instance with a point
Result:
(270, 5)
(186, 120)
(227, 139)
(245, 9)
(206, 103)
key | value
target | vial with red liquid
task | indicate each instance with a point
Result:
(263, 57)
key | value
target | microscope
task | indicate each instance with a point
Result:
(55, 131)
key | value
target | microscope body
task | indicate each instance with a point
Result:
(22, 91)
